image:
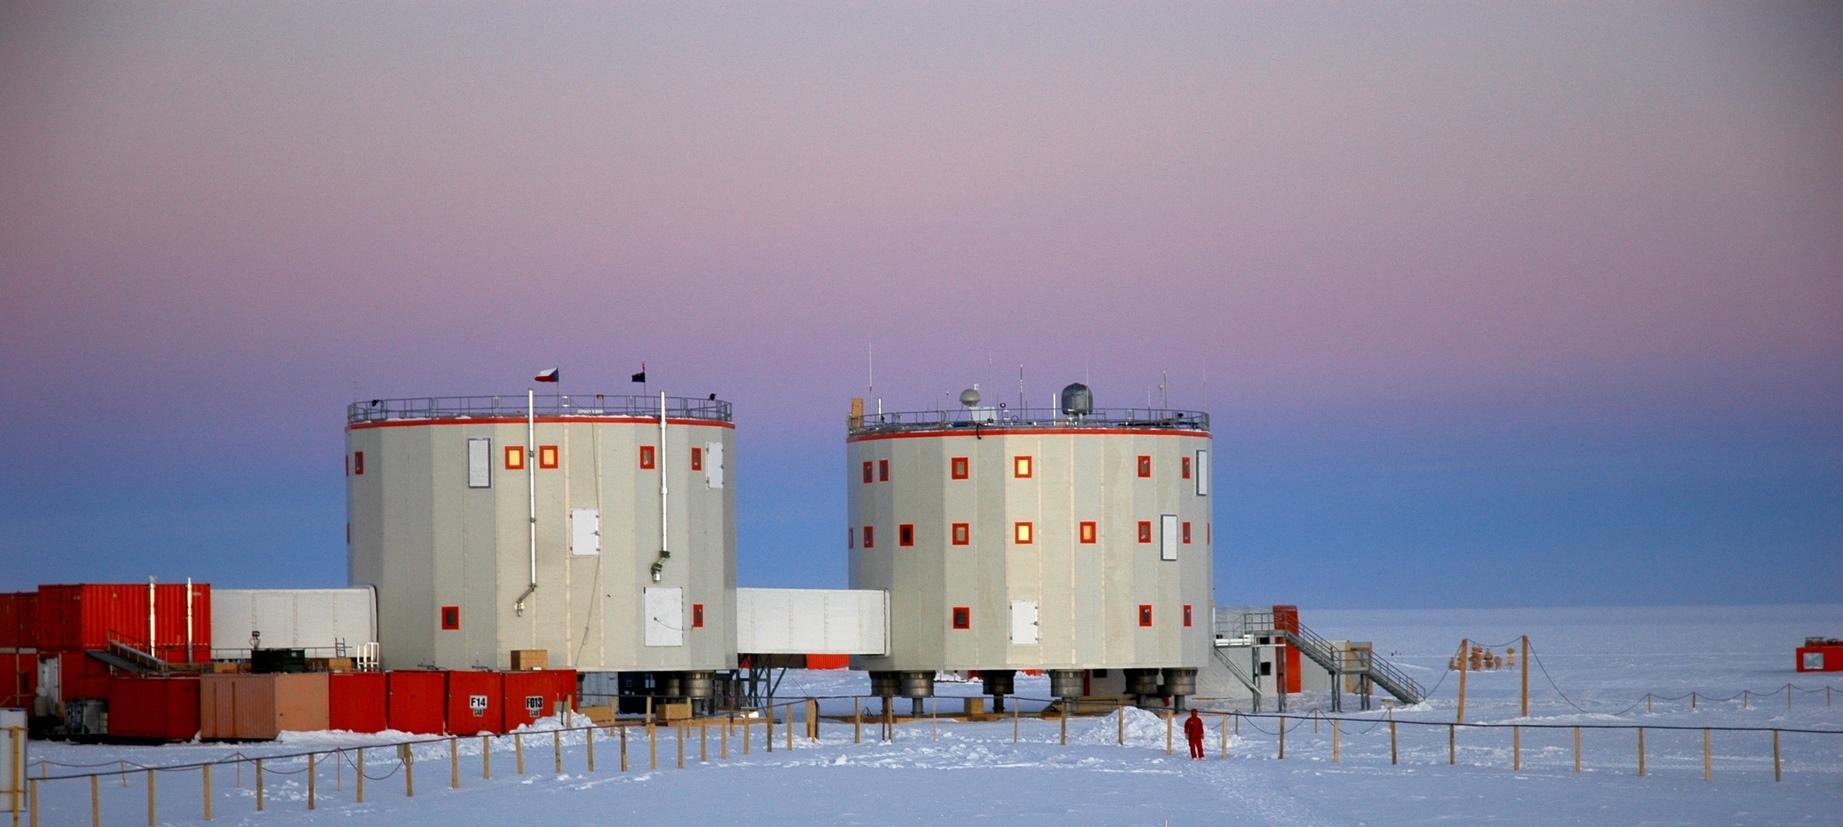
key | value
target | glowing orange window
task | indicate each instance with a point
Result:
(958, 468)
(697, 615)
(1186, 532)
(515, 457)
(1186, 615)
(1088, 532)
(870, 537)
(1145, 466)
(883, 470)
(358, 463)
(905, 535)
(1145, 614)
(697, 459)
(1020, 467)
(1145, 531)
(647, 457)
(547, 456)
(1022, 533)
(1184, 466)
(962, 617)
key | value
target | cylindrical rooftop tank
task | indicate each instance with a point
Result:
(1030, 540)
(602, 531)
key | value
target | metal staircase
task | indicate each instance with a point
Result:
(1366, 666)
(1240, 674)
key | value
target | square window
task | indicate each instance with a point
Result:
(1145, 615)
(1088, 532)
(547, 456)
(1020, 467)
(958, 468)
(962, 617)
(1021, 533)
(451, 618)
(1186, 532)
(867, 477)
(870, 537)
(1186, 615)
(905, 535)
(883, 470)
(1184, 466)
(962, 534)
(358, 463)
(1145, 466)
(697, 458)
(515, 457)
(697, 615)
(1145, 531)
(647, 457)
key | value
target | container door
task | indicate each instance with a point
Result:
(585, 532)
(713, 464)
(1024, 622)
(665, 616)
(1167, 536)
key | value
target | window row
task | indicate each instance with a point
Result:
(1023, 533)
(450, 617)
(961, 617)
(513, 458)
(1023, 467)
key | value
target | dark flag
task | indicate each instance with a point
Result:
(641, 376)
(546, 376)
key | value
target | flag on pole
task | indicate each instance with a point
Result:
(546, 376)
(641, 376)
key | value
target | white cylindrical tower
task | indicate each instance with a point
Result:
(599, 529)
(1074, 540)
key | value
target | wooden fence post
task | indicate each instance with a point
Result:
(312, 799)
(1746, 698)
(454, 763)
(1708, 764)
(745, 736)
(1452, 744)
(1314, 720)
(623, 748)
(1334, 742)
(1577, 749)
(207, 779)
(790, 728)
(339, 770)
(1394, 755)
(1119, 715)
(679, 730)
(1224, 737)
(1168, 727)
(486, 757)
(518, 752)
(1641, 752)
(1063, 721)
(857, 721)
(358, 776)
(1282, 721)
(1777, 775)
(588, 743)
(704, 741)
(812, 720)
(652, 745)
(95, 803)
(1516, 748)
(723, 739)
(1238, 722)
(1465, 651)
(556, 750)
(1015, 725)
(151, 821)
(409, 771)
(259, 790)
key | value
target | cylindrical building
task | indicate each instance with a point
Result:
(599, 530)
(1074, 540)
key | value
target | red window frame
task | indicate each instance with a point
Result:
(905, 535)
(1186, 615)
(515, 457)
(1145, 466)
(358, 463)
(1186, 532)
(1088, 532)
(883, 470)
(697, 615)
(959, 468)
(870, 537)
(1022, 467)
(962, 534)
(1184, 464)
(547, 456)
(1023, 533)
(961, 617)
(867, 477)
(1145, 531)
(451, 618)
(1145, 615)
(697, 458)
(648, 458)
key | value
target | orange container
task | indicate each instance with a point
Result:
(248, 707)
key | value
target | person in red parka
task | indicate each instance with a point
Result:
(1193, 732)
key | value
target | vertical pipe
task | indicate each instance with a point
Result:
(1064, 720)
(189, 634)
(1119, 717)
(531, 499)
(665, 546)
(723, 741)
(151, 649)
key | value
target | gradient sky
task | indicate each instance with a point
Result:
(1492, 304)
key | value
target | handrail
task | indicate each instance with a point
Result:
(510, 405)
(974, 418)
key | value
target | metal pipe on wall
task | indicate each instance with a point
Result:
(188, 620)
(150, 615)
(531, 496)
(665, 547)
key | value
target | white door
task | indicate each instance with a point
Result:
(1024, 622)
(585, 532)
(713, 464)
(665, 616)
(479, 463)
(1167, 536)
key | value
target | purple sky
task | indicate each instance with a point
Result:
(1489, 289)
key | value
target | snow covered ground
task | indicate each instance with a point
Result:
(1604, 660)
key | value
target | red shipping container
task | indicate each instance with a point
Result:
(537, 694)
(1820, 658)
(476, 703)
(356, 701)
(417, 701)
(20, 672)
(19, 620)
(164, 709)
(82, 677)
(88, 616)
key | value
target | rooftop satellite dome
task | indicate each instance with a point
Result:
(969, 397)
(1077, 400)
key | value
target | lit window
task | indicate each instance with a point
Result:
(697, 458)
(1145, 466)
(958, 468)
(1021, 532)
(1186, 615)
(1184, 466)
(547, 456)
(1088, 532)
(1145, 531)
(1145, 614)
(647, 457)
(697, 615)
(962, 617)
(905, 535)
(1020, 467)
(1186, 532)
(870, 537)
(451, 618)
(515, 457)
(962, 534)
(358, 463)
(883, 470)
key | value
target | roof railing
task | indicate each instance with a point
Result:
(1019, 418)
(513, 406)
